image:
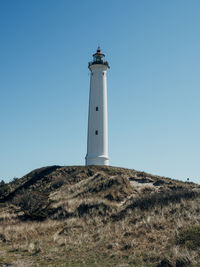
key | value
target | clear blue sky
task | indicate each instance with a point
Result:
(153, 48)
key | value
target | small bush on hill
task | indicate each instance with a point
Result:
(57, 184)
(190, 237)
(15, 180)
(33, 204)
(3, 188)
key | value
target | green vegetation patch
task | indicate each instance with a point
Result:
(190, 237)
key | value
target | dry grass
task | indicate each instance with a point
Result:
(85, 227)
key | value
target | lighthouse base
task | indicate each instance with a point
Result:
(96, 160)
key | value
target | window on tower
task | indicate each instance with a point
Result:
(96, 132)
(97, 108)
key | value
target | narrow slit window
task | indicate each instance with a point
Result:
(97, 108)
(96, 132)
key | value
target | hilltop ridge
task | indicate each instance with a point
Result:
(106, 215)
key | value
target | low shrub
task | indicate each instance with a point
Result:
(57, 184)
(4, 188)
(190, 237)
(33, 204)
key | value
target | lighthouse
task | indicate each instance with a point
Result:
(97, 140)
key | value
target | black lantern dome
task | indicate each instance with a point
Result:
(98, 58)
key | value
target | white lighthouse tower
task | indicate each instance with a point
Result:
(97, 142)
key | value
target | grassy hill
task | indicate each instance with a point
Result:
(98, 216)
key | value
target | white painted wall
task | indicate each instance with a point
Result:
(97, 145)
